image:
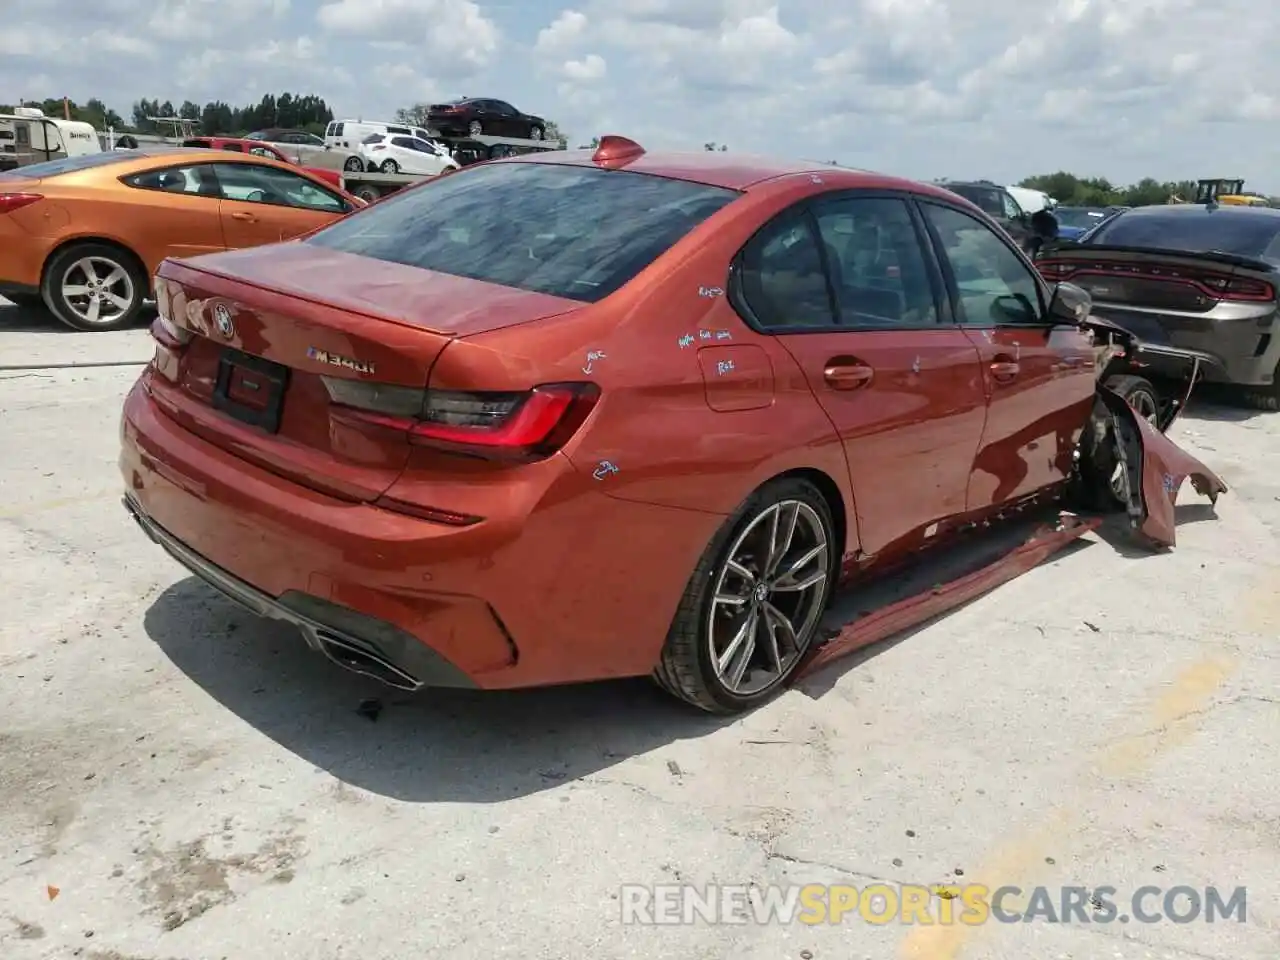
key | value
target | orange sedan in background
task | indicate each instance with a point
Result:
(84, 235)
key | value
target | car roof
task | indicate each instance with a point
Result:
(1190, 210)
(734, 171)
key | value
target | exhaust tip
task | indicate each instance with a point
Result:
(355, 658)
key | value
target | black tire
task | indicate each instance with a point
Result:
(536, 132)
(1264, 398)
(685, 669)
(368, 193)
(62, 263)
(1139, 392)
(389, 166)
(353, 165)
(475, 128)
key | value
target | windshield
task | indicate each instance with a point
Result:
(1235, 231)
(568, 231)
(1082, 217)
(52, 168)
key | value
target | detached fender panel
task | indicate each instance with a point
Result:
(1155, 468)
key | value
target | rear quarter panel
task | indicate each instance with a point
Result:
(654, 437)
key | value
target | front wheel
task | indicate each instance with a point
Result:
(475, 128)
(535, 133)
(94, 287)
(754, 602)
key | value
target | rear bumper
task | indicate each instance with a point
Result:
(354, 641)
(540, 596)
(1241, 352)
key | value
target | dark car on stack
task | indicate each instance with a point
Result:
(482, 116)
(1188, 281)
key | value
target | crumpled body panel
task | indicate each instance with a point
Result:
(1154, 470)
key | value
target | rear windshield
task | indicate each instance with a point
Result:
(569, 231)
(984, 198)
(1231, 231)
(52, 168)
(1079, 217)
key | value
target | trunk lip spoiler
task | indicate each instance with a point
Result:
(1213, 256)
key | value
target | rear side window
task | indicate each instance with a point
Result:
(1231, 231)
(372, 138)
(235, 147)
(573, 232)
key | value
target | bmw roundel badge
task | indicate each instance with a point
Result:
(222, 318)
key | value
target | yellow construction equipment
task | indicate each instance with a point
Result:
(1227, 191)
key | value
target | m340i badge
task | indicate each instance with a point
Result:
(335, 360)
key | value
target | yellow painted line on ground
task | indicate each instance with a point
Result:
(40, 506)
(1171, 719)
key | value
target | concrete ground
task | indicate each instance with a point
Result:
(178, 780)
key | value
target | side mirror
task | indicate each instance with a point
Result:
(1070, 304)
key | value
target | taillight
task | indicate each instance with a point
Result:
(1054, 269)
(10, 202)
(1220, 286)
(1239, 288)
(516, 426)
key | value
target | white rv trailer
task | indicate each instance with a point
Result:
(28, 136)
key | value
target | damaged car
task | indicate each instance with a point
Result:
(591, 414)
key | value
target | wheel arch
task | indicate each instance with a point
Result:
(832, 494)
(124, 249)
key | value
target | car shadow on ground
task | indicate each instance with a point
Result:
(1213, 402)
(15, 319)
(434, 746)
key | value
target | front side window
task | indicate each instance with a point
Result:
(1011, 209)
(573, 232)
(782, 282)
(994, 285)
(405, 142)
(875, 262)
(260, 184)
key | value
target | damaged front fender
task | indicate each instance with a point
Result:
(1149, 467)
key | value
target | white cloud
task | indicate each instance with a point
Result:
(456, 34)
(927, 88)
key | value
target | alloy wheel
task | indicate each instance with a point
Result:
(1144, 405)
(768, 597)
(97, 290)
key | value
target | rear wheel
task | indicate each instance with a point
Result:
(535, 133)
(94, 287)
(1265, 398)
(367, 192)
(389, 166)
(353, 165)
(475, 128)
(754, 602)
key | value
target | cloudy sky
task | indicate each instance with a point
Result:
(1177, 89)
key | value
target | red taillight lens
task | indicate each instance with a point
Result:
(10, 202)
(1054, 269)
(1240, 288)
(528, 425)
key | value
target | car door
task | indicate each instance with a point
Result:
(175, 209)
(404, 153)
(264, 204)
(509, 121)
(846, 285)
(1038, 375)
(1014, 220)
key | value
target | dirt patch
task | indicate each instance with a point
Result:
(187, 881)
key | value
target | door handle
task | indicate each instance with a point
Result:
(1005, 370)
(847, 375)
(247, 217)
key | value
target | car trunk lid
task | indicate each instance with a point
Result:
(1158, 279)
(254, 347)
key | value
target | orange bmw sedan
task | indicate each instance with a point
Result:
(84, 235)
